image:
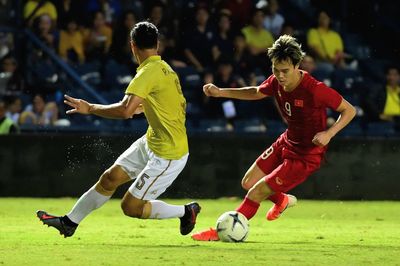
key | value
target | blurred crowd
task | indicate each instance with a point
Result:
(223, 42)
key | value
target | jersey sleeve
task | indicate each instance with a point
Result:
(141, 84)
(266, 87)
(327, 97)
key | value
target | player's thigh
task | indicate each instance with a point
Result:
(156, 177)
(134, 159)
(289, 174)
(264, 164)
(253, 174)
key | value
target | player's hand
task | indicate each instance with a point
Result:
(322, 138)
(211, 90)
(79, 106)
(139, 109)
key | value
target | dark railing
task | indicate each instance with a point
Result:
(66, 68)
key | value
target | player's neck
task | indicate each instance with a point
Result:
(144, 54)
(296, 82)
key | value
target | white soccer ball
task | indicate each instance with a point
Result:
(232, 226)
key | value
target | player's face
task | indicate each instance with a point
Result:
(285, 72)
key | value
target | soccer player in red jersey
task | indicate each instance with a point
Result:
(298, 152)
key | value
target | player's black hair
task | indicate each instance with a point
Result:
(286, 48)
(145, 35)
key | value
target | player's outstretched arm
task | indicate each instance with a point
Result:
(244, 93)
(130, 105)
(347, 113)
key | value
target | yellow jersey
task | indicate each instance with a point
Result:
(258, 38)
(164, 107)
(392, 105)
(329, 42)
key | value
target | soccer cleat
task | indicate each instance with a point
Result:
(189, 218)
(277, 210)
(206, 235)
(56, 222)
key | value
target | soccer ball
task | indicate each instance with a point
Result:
(232, 226)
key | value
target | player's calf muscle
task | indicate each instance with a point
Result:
(132, 211)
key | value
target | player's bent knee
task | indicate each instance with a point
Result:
(112, 178)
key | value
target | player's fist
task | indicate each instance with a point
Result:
(322, 138)
(211, 90)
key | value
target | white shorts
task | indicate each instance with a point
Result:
(153, 174)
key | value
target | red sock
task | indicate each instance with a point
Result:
(277, 198)
(248, 208)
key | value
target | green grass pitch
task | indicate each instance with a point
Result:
(312, 233)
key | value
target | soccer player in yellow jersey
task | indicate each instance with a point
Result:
(153, 161)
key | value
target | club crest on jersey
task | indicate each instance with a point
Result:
(279, 93)
(298, 103)
(278, 181)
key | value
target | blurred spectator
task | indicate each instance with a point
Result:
(308, 64)
(46, 31)
(12, 81)
(325, 44)
(273, 21)
(383, 102)
(200, 42)
(157, 17)
(224, 78)
(7, 13)
(97, 38)
(240, 11)
(32, 11)
(241, 58)
(391, 108)
(288, 29)
(258, 40)
(165, 25)
(223, 38)
(111, 9)
(13, 108)
(121, 48)
(7, 126)
(40, 112)
(136, 6)
(6, 43)
(391, 104)
(71, 47)
(170, 54)
(67, 9)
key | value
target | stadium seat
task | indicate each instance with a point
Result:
(353, 129)
(89, 72)
(380, 129)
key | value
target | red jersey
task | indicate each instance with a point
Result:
(304, 109)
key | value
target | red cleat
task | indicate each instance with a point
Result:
(206, 235)
(276, 210)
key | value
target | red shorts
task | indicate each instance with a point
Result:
(284, 168)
